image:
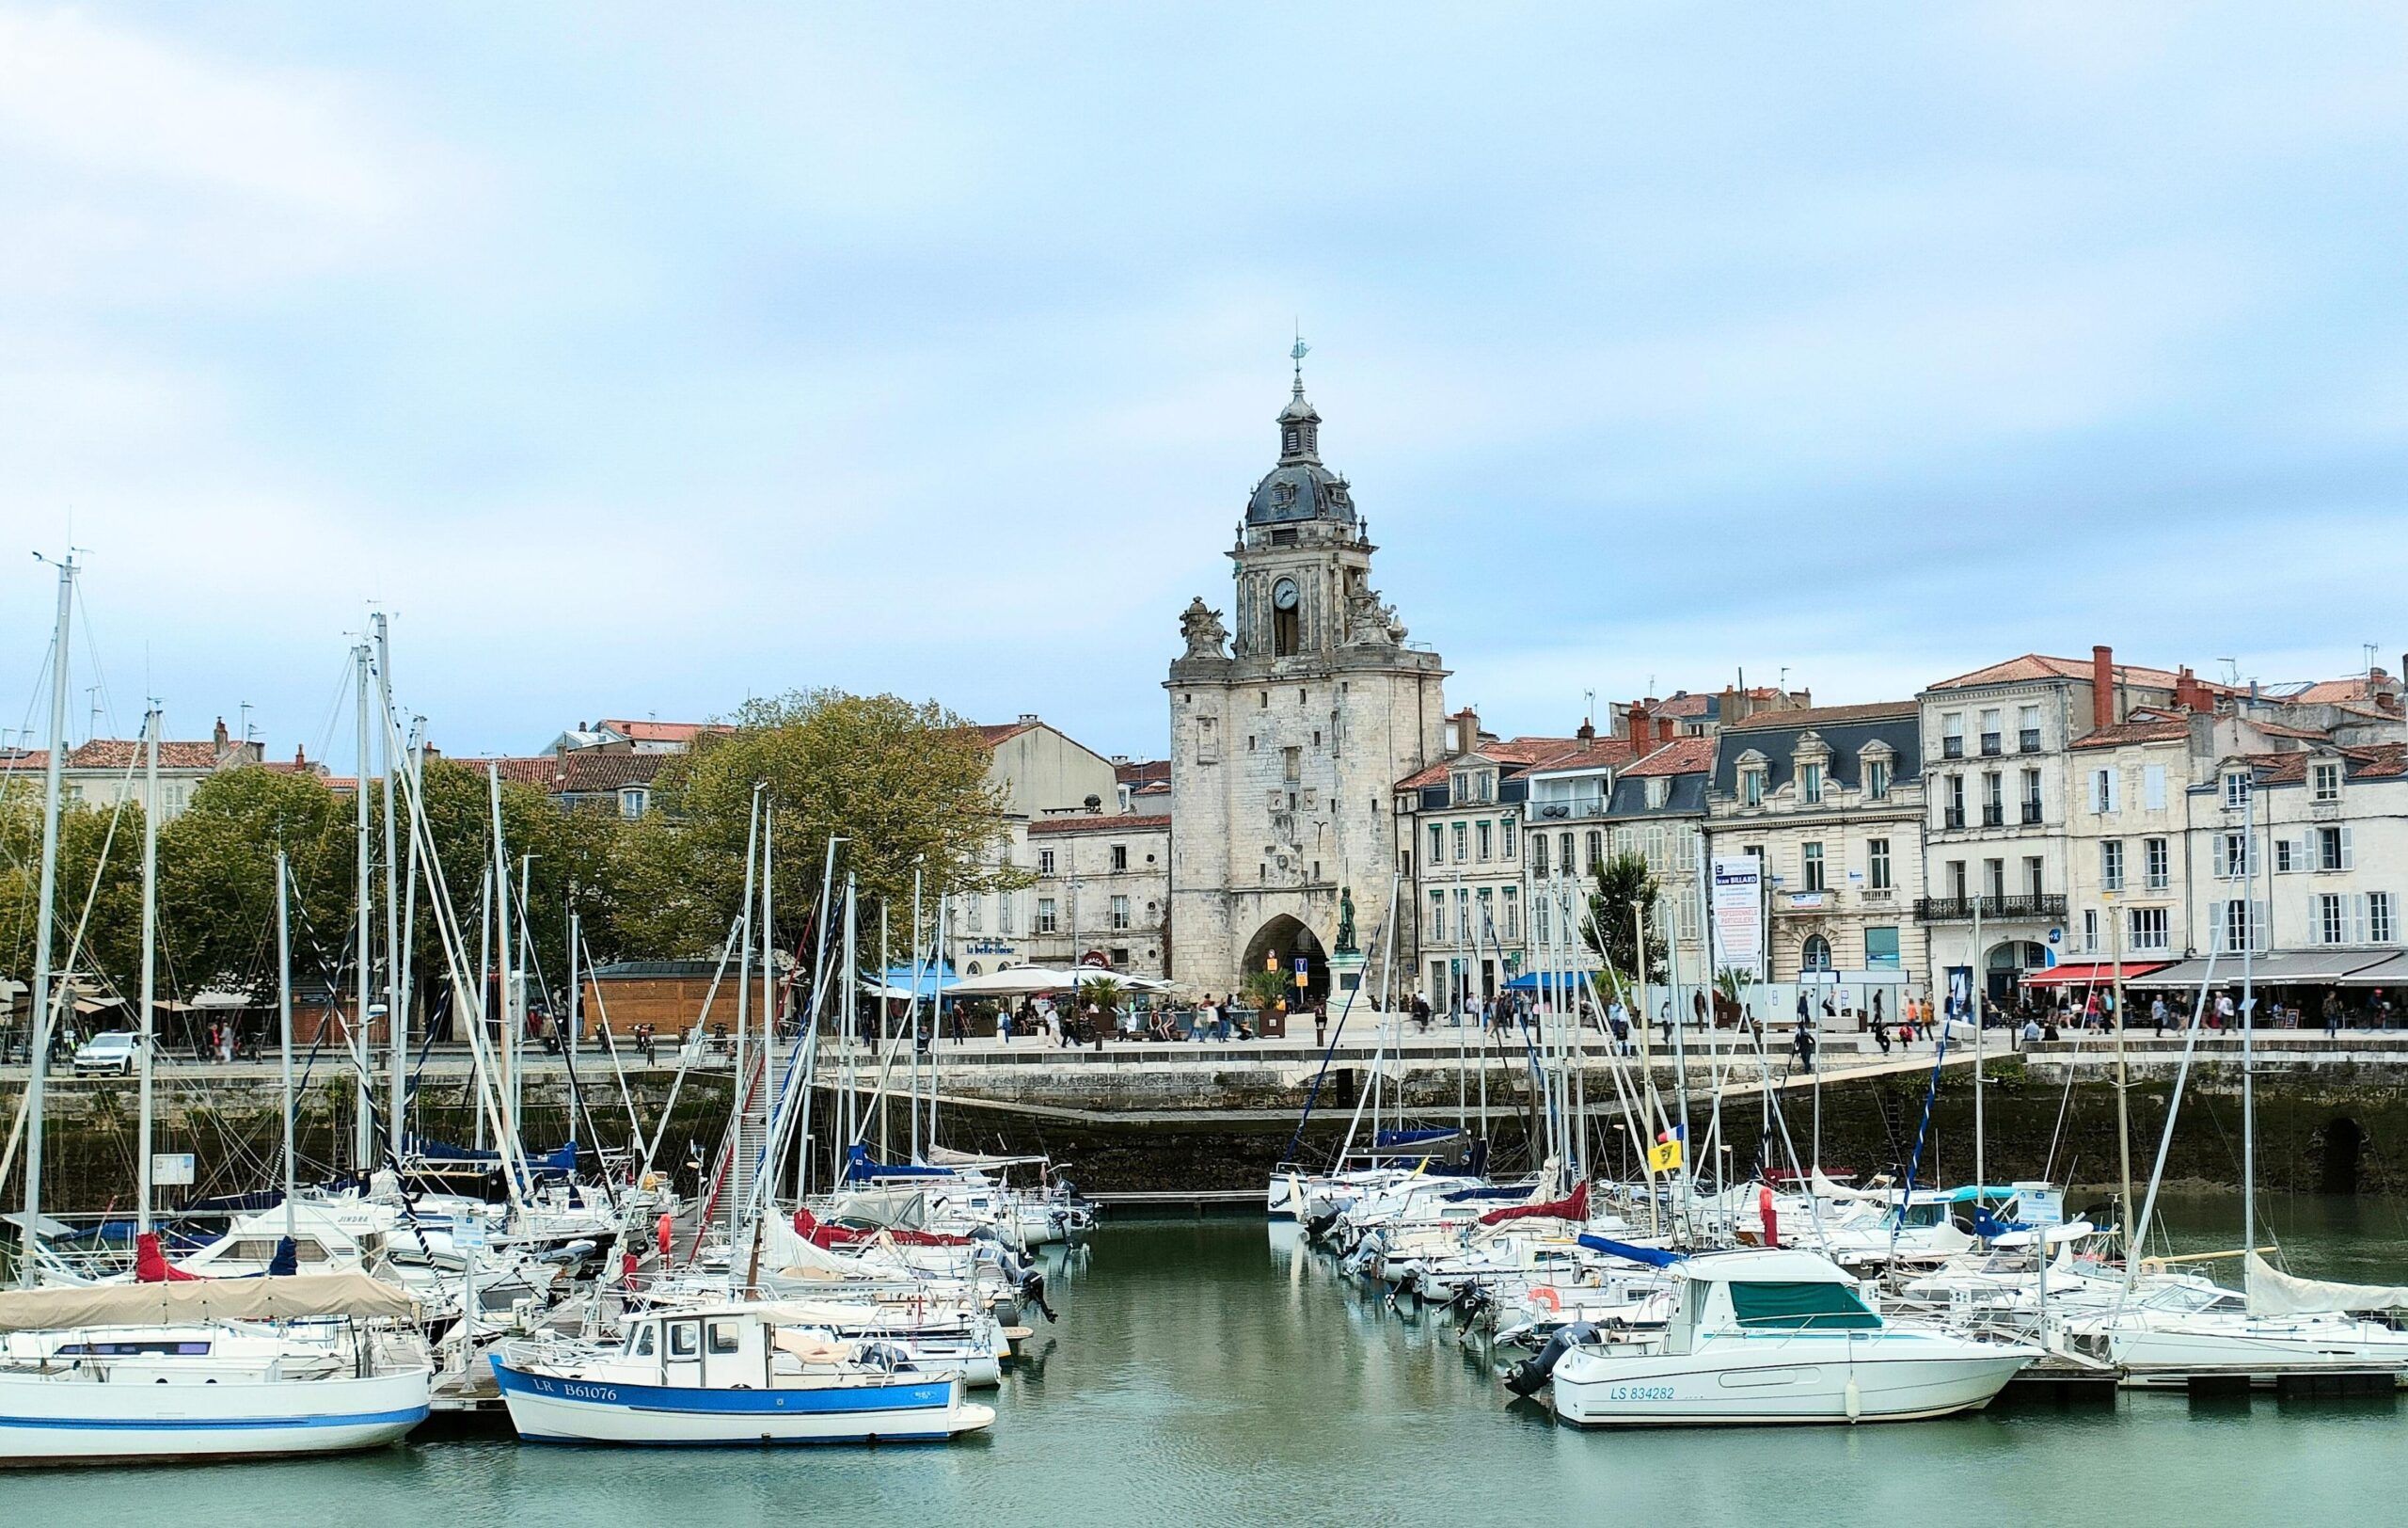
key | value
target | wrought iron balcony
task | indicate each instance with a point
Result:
(1960, 909)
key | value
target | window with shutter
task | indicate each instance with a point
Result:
(2349, 858)
(2153, 785)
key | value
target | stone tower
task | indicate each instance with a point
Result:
(1286, 741)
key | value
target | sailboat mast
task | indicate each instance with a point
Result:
(912, 1011)
(284, 1033)
(396, 965)
(1974, 980)
(37, 1016)
(735, 1173)
(363, 1136)
(501, 952)
(149, 952)
(2248, 1026)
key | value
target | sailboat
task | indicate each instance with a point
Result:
(2277, 1324)
(187, 1367)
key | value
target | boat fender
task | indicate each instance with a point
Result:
(1528, 1378)
(1855, 1399)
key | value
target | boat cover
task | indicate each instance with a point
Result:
(1575, 1207)
(1382, 1141)
(859, 1168)
(1655, 1257)
(202, 1299)
(2273, 1292)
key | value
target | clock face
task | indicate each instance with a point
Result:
(1283, 594)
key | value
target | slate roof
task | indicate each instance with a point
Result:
(1845, 729)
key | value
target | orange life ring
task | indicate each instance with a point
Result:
(1546, 1294)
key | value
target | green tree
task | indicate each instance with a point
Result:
(100, 890)
(904, 784)
(1622, 883)
(217, 880)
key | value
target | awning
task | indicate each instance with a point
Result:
(2097, 974)
(2282, 969)
(2390, 971)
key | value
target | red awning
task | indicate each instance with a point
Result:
(2094, 973)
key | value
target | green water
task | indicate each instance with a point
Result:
(1211, 1373)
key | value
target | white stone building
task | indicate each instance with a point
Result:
(1286, 742)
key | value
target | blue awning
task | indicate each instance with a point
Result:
(1382, 1141)
(859, 1168)
(1548, 980)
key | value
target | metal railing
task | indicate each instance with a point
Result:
(1960, 909)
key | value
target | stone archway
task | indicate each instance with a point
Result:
(1278, 944)
(2006, 965)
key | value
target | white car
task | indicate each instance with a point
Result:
(113, 1051)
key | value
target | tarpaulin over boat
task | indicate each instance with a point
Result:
(1655, 1257)
(562, 1160)
(2273, 1292)
(1385, 1140)
(1575, 1207)
(1510, 1190)
(859, 1168)
(811, 1229)
(293, 1299)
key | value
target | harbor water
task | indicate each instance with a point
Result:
(1213, 1371)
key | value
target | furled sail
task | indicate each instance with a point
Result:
(2273, 1292)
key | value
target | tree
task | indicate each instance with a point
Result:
(1623, 882)
(100, 869)
(217, 880)
(905, 786)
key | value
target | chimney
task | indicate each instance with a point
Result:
(1640, 719)
(1028, 719)
(218, 737)
(300, 757)
(2190, 694)
(1587, 732)
(2102, 686)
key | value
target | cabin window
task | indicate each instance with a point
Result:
(1797, 1306)
(644, 1341)
(684, 1342)
(723, 1337)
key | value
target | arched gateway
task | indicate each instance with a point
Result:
(1279, 945)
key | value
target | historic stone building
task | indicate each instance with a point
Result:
(1288, 732)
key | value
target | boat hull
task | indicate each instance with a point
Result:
(56, 1421)
(1819, 1381)
(546, 1408)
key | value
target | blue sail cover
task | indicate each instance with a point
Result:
(1655, 1257)
(287, 1261)
(1511, 1190)
(859, 1168)
(1989, 1227)
(1386, 1139)
(562, 1160)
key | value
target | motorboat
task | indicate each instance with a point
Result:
(1770, 1335)
(728, 1374)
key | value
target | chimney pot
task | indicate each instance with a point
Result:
(2102, 686)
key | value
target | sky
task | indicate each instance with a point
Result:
(639, 360)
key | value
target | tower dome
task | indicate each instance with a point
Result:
(1300, 487)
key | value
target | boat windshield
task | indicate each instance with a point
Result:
(2189, 1299)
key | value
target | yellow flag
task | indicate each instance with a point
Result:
(1664, 1158)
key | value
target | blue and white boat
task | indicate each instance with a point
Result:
(728, 1374)
(207, 1370)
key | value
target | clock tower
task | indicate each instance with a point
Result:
(1285, 742)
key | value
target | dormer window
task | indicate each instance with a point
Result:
(1809, 784)
(1873, 762)
(1659, 790)
(1752, 779)
(2236, 788)
(2324, 781)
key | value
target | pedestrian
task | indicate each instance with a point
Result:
(1421, 1012)
(2223, 1010)
(2157, 1012)
(2031, 1029)
(2332, 1015)
(1880, 1034)
(1321, 1022)
(1805, 1044)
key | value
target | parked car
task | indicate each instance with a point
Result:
(115, 1052)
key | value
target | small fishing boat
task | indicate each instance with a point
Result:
(1775, 1336)
(729, 1374)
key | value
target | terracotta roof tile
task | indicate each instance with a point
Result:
(1141, 771)
(1682, 755)
(1124, 822)
(684, 732)
(543, 769)
(1512, 755)
(2381, 761)
(126, 753)
(2041, 666)
(2142, 729)
(584, 771)
(994, 734)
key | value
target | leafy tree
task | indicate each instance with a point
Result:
(95, 874)
(1623, 882)
(217, 880)
(905, 784)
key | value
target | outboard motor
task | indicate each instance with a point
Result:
(1530, 1376)
(1032, 1292)
(1318, 1227)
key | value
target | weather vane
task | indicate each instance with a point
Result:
(1298, 351)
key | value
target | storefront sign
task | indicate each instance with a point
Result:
(1738, 911)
